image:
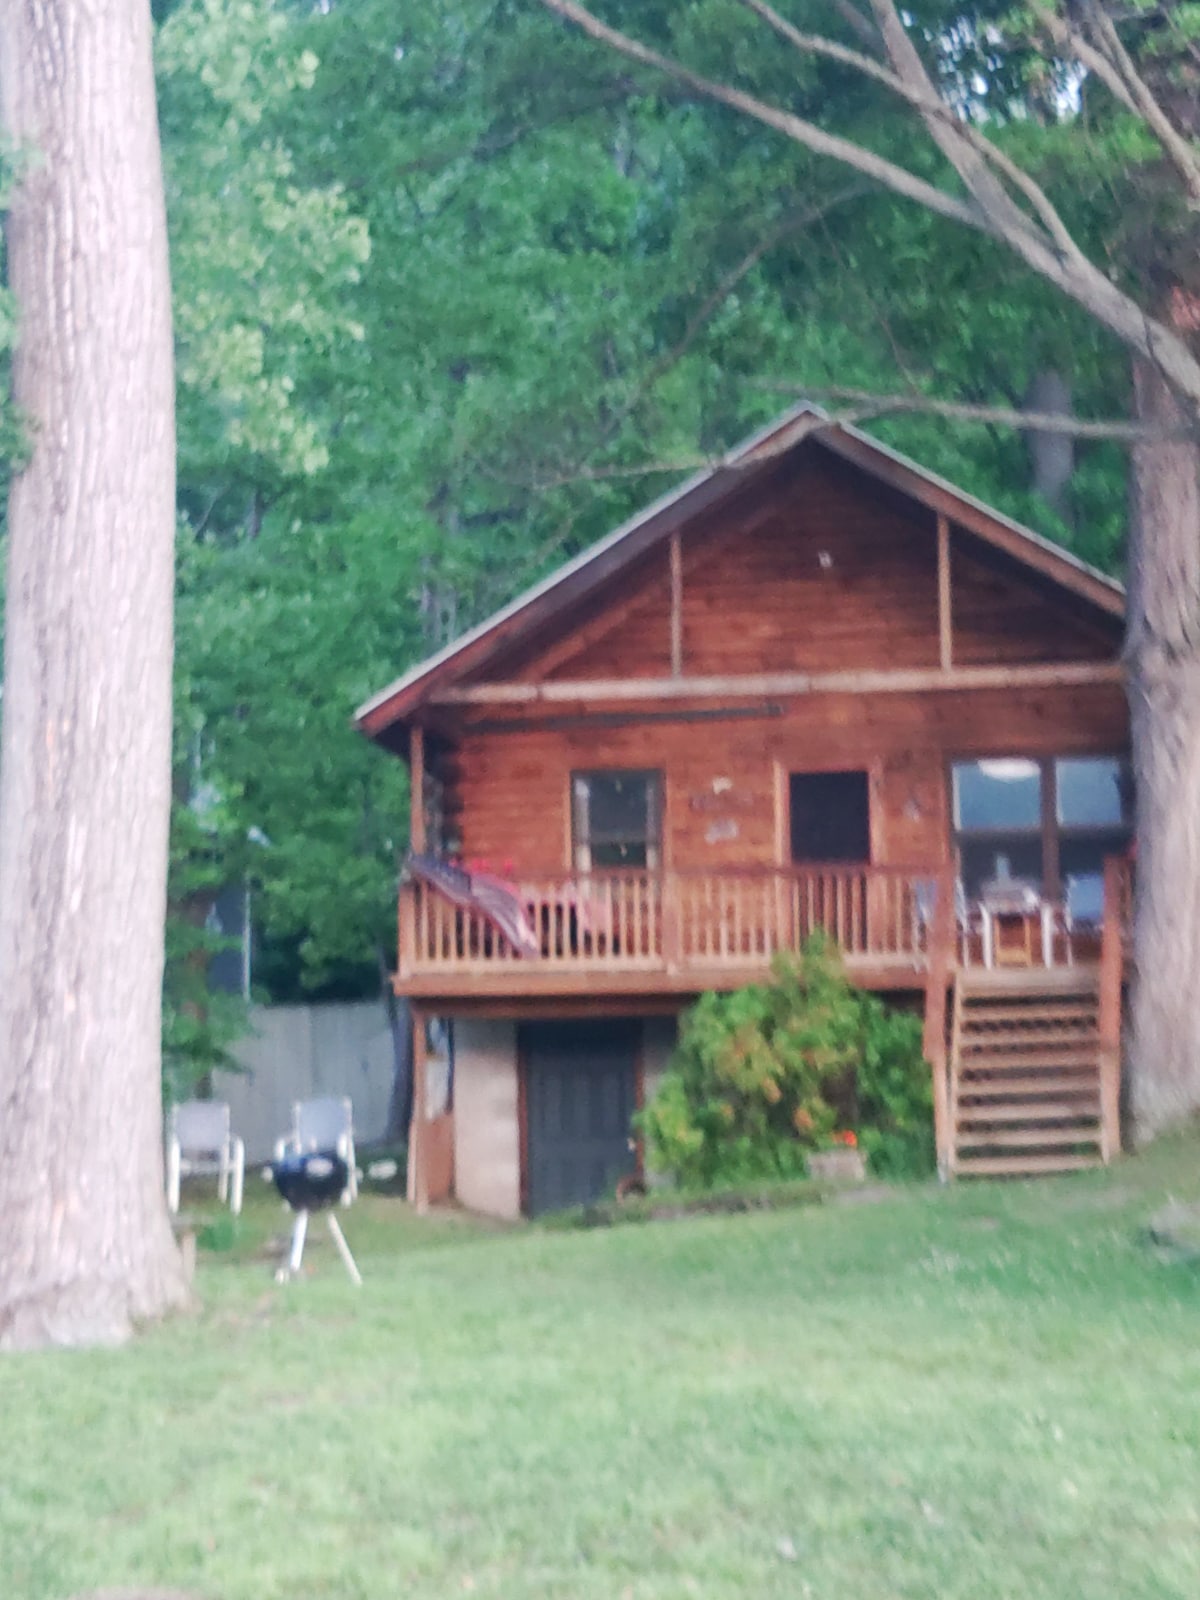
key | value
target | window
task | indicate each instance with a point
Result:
(1049, 822)
(1094, 814)
(616, 819)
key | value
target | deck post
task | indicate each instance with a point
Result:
(418, 1132)
(941, 961)
(945, 608)
(416, 786)
(1112, 938)
(676, 605)
(407, 955)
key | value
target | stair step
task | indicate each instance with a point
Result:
(995, 981)
(1031, 1111)
(1047, 1059)
(1029, 1038)
(1067, 1011)
(1028, 1138)
(1017, 1022)
(1007, 1089)
(1023, 1166)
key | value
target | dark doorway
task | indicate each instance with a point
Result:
(580, 1096)
(830, 816)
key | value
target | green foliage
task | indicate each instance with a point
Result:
(380, 445)
(766, 1074)
(198, 1025)
(450, 285)
(893, 1093)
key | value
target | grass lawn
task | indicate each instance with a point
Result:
(986, 1391)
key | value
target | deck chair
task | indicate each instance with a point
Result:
(1082, 910)
(924, 910)
(200, 1140)
(324, 1124)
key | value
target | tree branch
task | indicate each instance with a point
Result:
(868, 404)
(717, 297)
(990, 210)
(1177, 148)
(711, 302)
(1064, 37)
(884, 172)
(964, 152)
(920, 93)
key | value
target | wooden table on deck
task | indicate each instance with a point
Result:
(1016, 907)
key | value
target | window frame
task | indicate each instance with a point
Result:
(582, 839)
(1049, 832)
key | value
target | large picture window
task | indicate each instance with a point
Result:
(616, 820)
(1048, 822)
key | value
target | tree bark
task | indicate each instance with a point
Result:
(1163, 649)
(86, 1248)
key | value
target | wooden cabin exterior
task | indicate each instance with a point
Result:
(816, 687)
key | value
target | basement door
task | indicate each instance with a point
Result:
(580, 1096)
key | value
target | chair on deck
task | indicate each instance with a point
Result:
(1082, 910)
(200, 1140)
(324, 1125)
(967, 919)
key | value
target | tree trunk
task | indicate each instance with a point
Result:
(1163, 649)
(85, 769)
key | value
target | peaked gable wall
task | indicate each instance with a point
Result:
(823, 571)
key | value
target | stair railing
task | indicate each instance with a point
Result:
(941, 962)
(1117, 876)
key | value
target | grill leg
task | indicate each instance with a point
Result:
(299, 1234)
(339, 1239)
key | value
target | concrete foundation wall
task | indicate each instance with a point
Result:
(487, 1153)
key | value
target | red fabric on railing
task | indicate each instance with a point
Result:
(497, 902)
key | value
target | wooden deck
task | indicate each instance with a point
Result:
(618, 934)
(1025, 1061)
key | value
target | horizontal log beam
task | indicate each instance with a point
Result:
(1069, 674)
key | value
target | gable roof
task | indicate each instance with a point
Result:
(579, 578)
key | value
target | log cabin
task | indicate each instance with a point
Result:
(817, 687)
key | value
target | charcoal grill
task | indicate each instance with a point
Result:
(308, 1181)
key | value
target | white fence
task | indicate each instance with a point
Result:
(295, 1052)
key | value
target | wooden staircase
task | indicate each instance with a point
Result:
(1033, 1073)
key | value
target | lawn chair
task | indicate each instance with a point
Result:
(200, 1140)
(324, 1126)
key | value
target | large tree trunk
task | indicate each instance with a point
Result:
(1164, 685)
(85, 774)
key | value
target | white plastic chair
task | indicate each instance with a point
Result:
(326, 1123)
(1081, 911)
(200, 1140)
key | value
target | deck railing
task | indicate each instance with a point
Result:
(676, 922)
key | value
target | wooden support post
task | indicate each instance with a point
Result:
(407, 954)
(1109, 1006)
(416, 804)
(899, 680)
(418, 1133)
(941, 963)
(676, 605)
(945, 608)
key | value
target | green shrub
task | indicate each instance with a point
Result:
(766, 1074)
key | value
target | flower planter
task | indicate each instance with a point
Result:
(838, 1166)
